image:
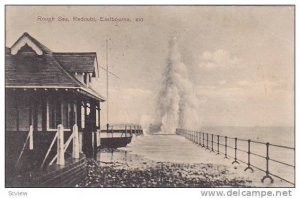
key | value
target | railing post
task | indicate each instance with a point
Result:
(207, 147)
(212, 142)
(30, 137)
(125, 130)
(203, 145)
(226, 147)
(30, 134)
(75, 151)
(130, 130)
(267, 165)
(193, 136)
(235, 152)
(60, 145)
(249, 153)
(218, 139)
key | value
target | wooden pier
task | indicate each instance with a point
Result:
(119, 135)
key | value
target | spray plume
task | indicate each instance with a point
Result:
(177, 102)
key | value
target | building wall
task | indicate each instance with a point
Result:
(10, 115)
(20, 111)
(85, 78)
(46, 110)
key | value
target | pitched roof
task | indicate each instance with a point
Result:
(36, 42)
(77, 62)
(45, 70)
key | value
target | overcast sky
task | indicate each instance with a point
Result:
(240, 59)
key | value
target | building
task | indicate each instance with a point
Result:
(44, 89)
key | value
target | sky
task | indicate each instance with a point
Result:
(240, 59)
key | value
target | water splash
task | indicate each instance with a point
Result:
(177, 103)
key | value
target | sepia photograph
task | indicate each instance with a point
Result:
(149, 96)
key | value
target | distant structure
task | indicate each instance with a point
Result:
(44, 90)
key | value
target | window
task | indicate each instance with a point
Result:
(85, 78)
(66, 115)
(54, 114)
(24, 112)
(59, 113)
(39, 117)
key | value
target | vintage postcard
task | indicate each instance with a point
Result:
(163, 96)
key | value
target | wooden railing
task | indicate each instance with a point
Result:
(62, 146)
(28, 138)
(220, 145)
(123, 129)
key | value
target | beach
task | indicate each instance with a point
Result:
(168, 161)
(160, 174)
(137, 165)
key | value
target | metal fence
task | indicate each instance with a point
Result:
(243, 151)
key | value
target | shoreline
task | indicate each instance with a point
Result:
(139, 172)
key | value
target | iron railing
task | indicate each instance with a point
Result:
(214, 143)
